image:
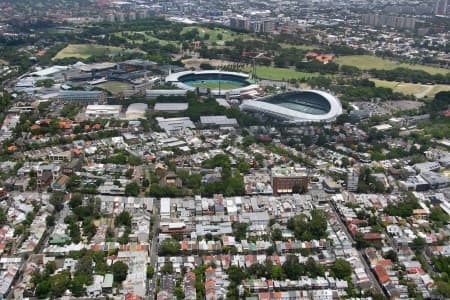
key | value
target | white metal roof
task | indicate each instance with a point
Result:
(293, 115)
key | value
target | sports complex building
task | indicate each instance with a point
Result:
(296, 107)
(218, 82)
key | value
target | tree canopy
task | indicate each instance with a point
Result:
(306, 229)
(120, 271)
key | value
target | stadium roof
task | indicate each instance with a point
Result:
(292, 115)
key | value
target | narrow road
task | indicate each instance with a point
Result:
(154, 248)
(367, 268)
(59, 218)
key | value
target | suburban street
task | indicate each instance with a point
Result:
(154, 247)
(367, 268)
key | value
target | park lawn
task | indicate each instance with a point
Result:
(149, 37)
(114, 87)
(84, 51)
(273, 73)
(417, 89)
(438, 88)
(366, 62)
(384, 83)
(411, 88)
(215, 85)
(227, 35)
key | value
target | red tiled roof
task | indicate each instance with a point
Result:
(385, 262)
(132, 296)
(382, 275)
(415, 271)
(311, 54)
(210, 283)
(372, 236)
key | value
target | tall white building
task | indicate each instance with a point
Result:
(352, 181)
(441, 7)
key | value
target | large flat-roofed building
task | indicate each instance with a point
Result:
(171, 107)
(218, 121)
(436, 180)
(165, 208)
(153, 94)
(103, 111)
(83, 97)
(136, 111)
(427, 167)
(284, 179)
(175, 125)
(414, 183)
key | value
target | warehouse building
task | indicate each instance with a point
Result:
(83, 97)
(171, 107)
(136, 111)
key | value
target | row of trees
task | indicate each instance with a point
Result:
(409, 75)
(292, 269)
(317, 67)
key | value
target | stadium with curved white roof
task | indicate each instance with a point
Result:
(296, 106)
(218, 82)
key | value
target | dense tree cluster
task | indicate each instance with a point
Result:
(317, 67)
(368, 183)
(132, 189)
(169, 247)
(57, 200)
(122, 158)
(405, 209)
(240, 230)
(49, 284)
(307, 229)
(86, 214)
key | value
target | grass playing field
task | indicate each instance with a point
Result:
(366, 62)
(412, 89)
(302, 47)
(114, 87)
(439, 88)
(419, 90)
(84, 51)
(273, 73)
(147, 36)
(384, 83)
